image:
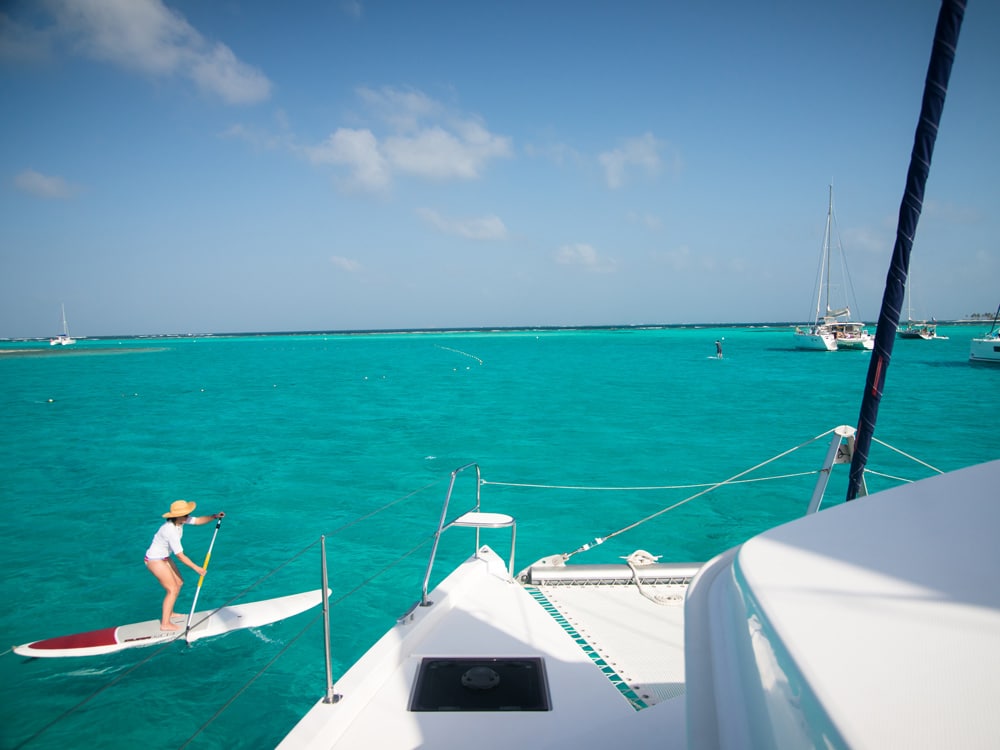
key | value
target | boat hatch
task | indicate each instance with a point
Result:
(481, 684)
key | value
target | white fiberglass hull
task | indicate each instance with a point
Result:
(820, 341)
(985, 350)
(871, 624)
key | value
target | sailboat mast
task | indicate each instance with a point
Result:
(909, 310)
(935, 88)
(995, 317)
(826, 246)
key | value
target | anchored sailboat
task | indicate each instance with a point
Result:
(987, 348)
(916, 329)
(833, 329)
(63, 338)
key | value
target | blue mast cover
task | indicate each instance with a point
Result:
(935, 88)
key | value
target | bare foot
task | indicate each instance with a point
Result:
(169, 626)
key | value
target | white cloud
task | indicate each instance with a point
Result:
(146, 36)
(358, 150)
(418, 136)
(437, 154)
(478, 228)
(584, 255)
(219, 72)
(402, 109)
(44, 186)
(352, 8)
(642, 153)
(345, 264)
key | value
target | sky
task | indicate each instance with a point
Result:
(181, 166)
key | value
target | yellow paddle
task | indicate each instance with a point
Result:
(201, 578)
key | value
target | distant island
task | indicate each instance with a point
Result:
(972, 319)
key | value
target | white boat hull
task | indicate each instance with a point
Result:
(820, 341)
(851, 627)
(851, 335)
(985, 350)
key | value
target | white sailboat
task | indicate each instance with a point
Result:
(987, 348)
(63, 338)
(832, 328)
(916, 329)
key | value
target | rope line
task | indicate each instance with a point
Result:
(638, 559)
(338, 530)
(893, 477)
(459, 351)
(710, 488)
(384, 508)
(906, 455)
(260, 673)
(645, 488)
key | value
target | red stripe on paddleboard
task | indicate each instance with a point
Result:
(105, 637)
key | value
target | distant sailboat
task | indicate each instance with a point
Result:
(987, 348)
(913, 329)
(833, 329)
(63, 338)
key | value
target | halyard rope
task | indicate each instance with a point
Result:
(638, 559)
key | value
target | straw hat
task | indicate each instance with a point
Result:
(179, 508)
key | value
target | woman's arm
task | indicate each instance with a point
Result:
(187, 561)
(200, 520)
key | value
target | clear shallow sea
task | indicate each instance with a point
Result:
(298, 436)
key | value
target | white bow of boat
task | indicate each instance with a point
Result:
(845, 628)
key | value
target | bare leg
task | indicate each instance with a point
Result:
(168, 576)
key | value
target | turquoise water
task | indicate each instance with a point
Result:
(299, 436)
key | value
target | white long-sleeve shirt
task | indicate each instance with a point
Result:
(167, 540)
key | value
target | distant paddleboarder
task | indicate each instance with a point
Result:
(167, 541)
(718, 348)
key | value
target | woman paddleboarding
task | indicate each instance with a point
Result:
(167, 542)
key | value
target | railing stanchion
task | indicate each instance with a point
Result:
(330, 696)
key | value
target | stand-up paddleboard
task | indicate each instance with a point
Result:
(204, 625)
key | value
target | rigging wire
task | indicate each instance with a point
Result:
(601, 540)
(340, 529)
(905, 455)
(645, 488)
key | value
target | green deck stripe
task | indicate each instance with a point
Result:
(616, 679)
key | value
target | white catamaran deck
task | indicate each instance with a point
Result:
(613, 664)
